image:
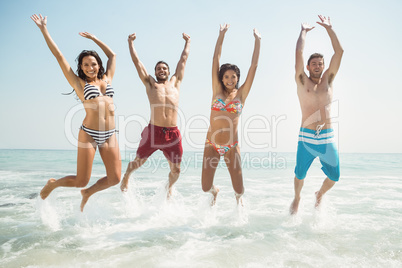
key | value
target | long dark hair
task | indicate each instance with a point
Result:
(80, 72)
(83, 54)
(225, 67)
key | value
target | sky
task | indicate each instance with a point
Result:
(367, 90)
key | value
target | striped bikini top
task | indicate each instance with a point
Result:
(92, 92)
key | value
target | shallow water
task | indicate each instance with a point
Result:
(358, 224)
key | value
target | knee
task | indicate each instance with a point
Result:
(132, 165)
(175, 170)
(135, 164)
(115, 179)
(81, 183)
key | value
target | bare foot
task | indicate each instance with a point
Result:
(85, 197)
(214, 191)
(124, 183)
(47, 189)
(318, 199)
(239, 201)
(239, 198)
(169, 191)
(294, 207)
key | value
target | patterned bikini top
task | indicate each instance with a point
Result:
(92, 92)
(234, 107)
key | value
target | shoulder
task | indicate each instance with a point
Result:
(173, 78)
(149, 81)
(175, 82)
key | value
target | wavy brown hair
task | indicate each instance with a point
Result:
(83, 54)
(80, 72)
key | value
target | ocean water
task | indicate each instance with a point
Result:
(358, 224)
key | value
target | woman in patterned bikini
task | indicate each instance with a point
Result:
(227, 103)
(93, 87)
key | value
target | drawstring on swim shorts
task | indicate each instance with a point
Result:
(167, 133)
(318, 130)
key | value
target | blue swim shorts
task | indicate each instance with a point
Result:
(319, 144)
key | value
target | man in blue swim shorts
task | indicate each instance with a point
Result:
(315, 92)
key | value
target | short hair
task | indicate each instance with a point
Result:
(225, 67)
(315, 55)
(161, 61)
(82, 55)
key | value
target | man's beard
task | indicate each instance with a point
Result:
(315, 75)
(160, 79)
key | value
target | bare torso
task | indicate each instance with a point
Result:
(99, 110)
(164, 101)
(223, 129)
(99, 113)
(315, 102)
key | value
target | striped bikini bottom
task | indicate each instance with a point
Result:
(99, 136)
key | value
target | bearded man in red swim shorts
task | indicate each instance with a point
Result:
(162, 132)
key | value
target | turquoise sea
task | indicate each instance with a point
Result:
(358, 225)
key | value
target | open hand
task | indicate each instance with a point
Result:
(257, 35)
(40, 21)
(306, 27)
(87, 35)
(224, 27)
(326, 23)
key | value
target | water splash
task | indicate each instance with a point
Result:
(47, 213)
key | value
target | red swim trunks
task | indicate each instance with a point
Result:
(166, 139)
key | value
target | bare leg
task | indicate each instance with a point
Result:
(110, 154)
(298, 184)
(214, 191)
(233, 163)
(48, 188)
(132, 166)
(85, 156)
(326, 185)
(173, 176)
(68, 181)
(210, 162)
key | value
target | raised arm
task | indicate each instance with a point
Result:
(111, 63)
(245, 88)
(300, 74)
(183, 59)
(338, 50)
(217, 55)
(142, 72)
(71, 77)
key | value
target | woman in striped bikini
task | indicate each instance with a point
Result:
(227, 104)
(93, 87)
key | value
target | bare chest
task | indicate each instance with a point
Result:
(163, 94)
(315, 92)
